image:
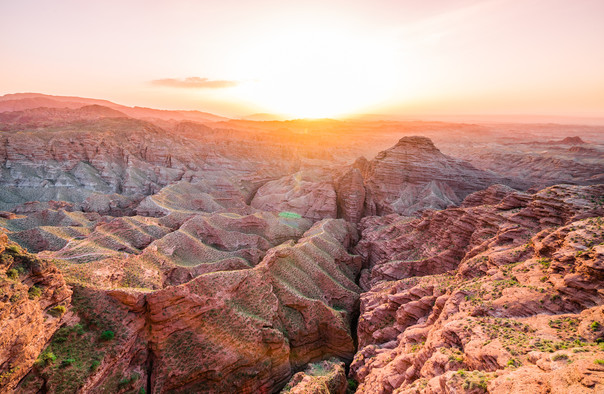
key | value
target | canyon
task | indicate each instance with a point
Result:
(149, 251)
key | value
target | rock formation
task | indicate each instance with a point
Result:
(178, 251)
(33, 300)
(246, 329)
(296, 193)
(327, 376)
(498, 297)
(408, 178)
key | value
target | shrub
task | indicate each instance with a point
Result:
(595, 326)
(13, 248)
(67, 362)
(57, 311)
(12, 273)
(107, 335)
(599, 361)
(47, 357)
(78, 328)
(560, 356)
(352, 385)
(95, 364)
(545, 263)
(34, 292)
(6, 259)
(127, 381)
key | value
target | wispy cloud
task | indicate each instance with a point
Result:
(194, 83)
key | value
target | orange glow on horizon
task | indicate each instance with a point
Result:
(312, 59)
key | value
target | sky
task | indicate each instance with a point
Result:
(312, 58)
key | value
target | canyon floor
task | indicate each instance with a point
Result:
(149, 251)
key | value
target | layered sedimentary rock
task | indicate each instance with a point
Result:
(408, 178)
(298, 193)
(327, 376)
(396, 247)
(33, 296)
(513, 304)
(108, 164)
(247, 330)
(192, 197)
(350, 189)
(152, 253)
(414, 175)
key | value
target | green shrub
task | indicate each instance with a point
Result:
(57, 311)
(47, 357)
(34, 292)
(127, 381)
(599, 361)
(14, 249)
(94, 365)
(6, 259)
(12, 273)
(352, 385)
(545, 262)
(107, 335)
(79, 329)
(560, 356)
(15, 297)
(595, 326)
(67, 362)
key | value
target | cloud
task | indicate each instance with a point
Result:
(195, 83)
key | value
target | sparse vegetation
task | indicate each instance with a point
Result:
(57, 311)
(34, 292)
(560, 356)
(12, 273)
(107, 335)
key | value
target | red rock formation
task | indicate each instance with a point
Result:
(350, 190)
(414, 175)
(324, 377)
(300, 194)
(396, 247)
(33, 297)
(522, 311)
(245, 330)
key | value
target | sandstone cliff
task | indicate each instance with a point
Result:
(499, 298)
(33, 300)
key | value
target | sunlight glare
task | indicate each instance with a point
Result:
(319, 73)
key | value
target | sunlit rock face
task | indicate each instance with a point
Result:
(298, 193)
(33, 301)
(506, 290)
(248, 329)
(194, 253)
(414, 175)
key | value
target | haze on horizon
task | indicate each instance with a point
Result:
(313, 58)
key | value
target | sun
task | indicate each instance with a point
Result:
(311, 73)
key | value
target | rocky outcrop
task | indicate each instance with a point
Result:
(395, 247)
(298, 193)
(191, 197)
(350, 190)
(520, 308)
(327, 377)
(33, 300)
(247, 330)
(88, 162)
(157, 252)
(408, 178)
(414, 175)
